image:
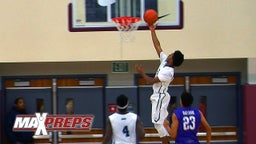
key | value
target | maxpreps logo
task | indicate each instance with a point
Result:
(42, 122)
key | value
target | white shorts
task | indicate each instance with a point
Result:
(160, 102)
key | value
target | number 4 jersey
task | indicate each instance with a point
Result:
(189, 121)
(123, 128)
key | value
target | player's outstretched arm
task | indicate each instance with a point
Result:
(155, 40)
(207, 128)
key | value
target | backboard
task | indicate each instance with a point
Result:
(96, 15)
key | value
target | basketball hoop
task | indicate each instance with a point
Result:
(126, 25)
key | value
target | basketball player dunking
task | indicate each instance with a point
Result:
(163, 77)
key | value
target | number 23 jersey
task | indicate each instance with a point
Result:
(123, 128)
(189, 121)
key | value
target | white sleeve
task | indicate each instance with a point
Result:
(163, 56)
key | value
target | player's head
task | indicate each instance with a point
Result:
(122, 102)
(186, 99)
(177, 58)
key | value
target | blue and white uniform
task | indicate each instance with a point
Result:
(160, 98)
(189, 121)
(124, 128)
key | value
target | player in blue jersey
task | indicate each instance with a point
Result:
(186, 121)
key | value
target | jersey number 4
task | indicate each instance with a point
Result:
(189, 123)
(126, 131)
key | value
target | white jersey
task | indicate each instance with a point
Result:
(123, 128)
(165, 75)
(160, 98)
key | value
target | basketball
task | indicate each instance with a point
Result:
(150, 16)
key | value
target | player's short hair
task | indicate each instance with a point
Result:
(178, 58)
(122, 102)
(187, 99)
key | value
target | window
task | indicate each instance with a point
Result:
(91, 15)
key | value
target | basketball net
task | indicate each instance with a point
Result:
(126, 25)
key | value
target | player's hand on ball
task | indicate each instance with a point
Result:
(152, 27)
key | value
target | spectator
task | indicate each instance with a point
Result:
(17, 137)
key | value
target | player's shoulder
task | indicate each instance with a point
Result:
(113, 115)
(177, 111)
(132, 114)
(168, 68)
(162, 55)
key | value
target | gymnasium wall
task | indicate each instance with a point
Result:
(37, 31)
(249, 116)
(150, 66)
